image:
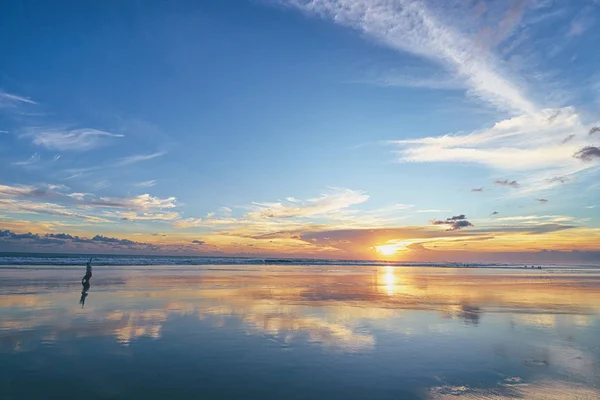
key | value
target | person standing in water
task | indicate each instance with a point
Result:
(88, 271)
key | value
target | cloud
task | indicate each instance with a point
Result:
(105, 239)
(132, 216)
(56, 158)
(136, 159)
(198, 242)
(495, 213)
(410, 26)
(188, 223)
(454, 223)
(594, 130)
(559, 179)
(26, 207)
(538, 219)
(542, 201)
(143, 202)
(101, 184)
(65, 240)
(10, 100)
(35, 157)
(580, 24)
(523, 143)
(506, 182)
(336, 200)
(587, 153)
(146, 184)
(477, 190)
(30, 191)
(79, 196)
(69, 140)
(568, 138)
(433, 211)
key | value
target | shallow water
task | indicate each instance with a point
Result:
(271, 332)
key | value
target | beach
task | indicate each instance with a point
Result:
(300, 331)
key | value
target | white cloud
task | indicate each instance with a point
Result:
(336, 200)
(433, 211)
(101, 184)
(226, 211)
(132, 216)
(143, 202)
(188, 223)
(78, 196)
(30, 190)
(35, 157)
(11, 100)
(526, 144)
(27, 207)
(137, 158)
(146, 184)
(537, 219)
(409, 26)
(63, 139)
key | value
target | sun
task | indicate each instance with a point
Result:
(387, 250)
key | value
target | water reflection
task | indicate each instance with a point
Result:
(540, 323)
(84, 292)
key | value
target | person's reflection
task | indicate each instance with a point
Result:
(85, 282)
(86, 285)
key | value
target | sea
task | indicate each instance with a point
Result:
(155, 327)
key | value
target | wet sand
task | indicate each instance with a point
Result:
(300, 332)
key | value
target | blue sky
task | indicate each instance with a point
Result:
(222, 114)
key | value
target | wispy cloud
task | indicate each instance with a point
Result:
(137, 158)
(34, 159)
(433, 211)
(147, 216)
(146, 184)
(78, 196)
(56, 210)
(410, 26)
(143, 202)
(335, 200)
(23, 191)
(524, 143)
(581, 23)
(73, 140)
(559, 179)
(534, 140)
(477, 190)
(101, 184)
(506, 182)
(10, 100)
(542, 201)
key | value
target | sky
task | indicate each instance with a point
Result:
(425, 131)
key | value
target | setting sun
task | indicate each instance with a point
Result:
(387, 250)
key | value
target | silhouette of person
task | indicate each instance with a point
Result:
(88, 271)
(85, 282)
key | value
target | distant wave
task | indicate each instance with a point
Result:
(22, 259)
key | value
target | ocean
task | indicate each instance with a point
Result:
(228, 328)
